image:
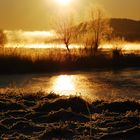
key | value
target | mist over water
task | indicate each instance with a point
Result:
(43, 39)
(129, 47)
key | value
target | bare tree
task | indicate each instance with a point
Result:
(65, 31)
(99, 27)
(3, 38)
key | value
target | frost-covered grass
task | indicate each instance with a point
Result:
(46, 116)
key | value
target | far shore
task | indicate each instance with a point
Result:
(22, 61)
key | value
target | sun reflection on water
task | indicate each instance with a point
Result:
(64, 84)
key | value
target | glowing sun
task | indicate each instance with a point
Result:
(64, 2)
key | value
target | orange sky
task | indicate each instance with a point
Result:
(38, 14)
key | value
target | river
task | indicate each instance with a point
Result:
(92, 84)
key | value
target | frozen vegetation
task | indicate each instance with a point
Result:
(42, 116)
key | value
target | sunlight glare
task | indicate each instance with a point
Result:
(64, 83)
(63, 2)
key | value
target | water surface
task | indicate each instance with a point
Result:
(93, 84)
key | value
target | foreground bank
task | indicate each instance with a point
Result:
(40, 116)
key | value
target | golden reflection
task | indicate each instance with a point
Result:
(63, 83)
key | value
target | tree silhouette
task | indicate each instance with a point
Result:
(99, 27)
(65, 31)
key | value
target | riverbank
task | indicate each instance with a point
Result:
(46, 116)
(21, 60)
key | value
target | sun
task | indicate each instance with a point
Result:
(64, 2)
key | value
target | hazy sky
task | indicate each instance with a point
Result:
(39, 14)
